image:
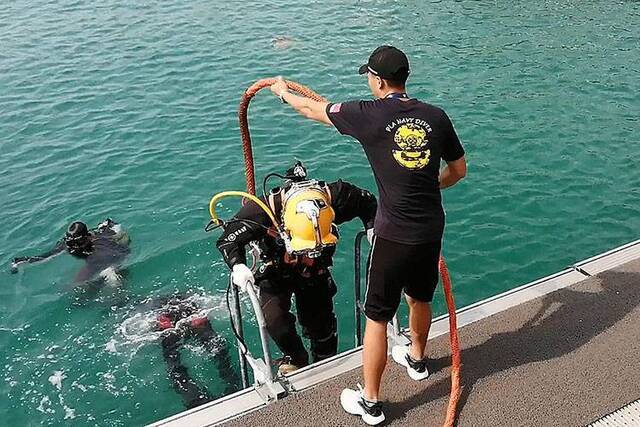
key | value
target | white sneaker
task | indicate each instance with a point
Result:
(354, 403)
(417, 370)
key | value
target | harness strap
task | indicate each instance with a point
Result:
(275, 202)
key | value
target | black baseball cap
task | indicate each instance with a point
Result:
(387, 62)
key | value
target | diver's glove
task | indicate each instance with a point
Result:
(370, 236)
(107, 223)
(241, 276)
(16, 262)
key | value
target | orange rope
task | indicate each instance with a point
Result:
(446, 281)
(244, 123)
(455, 345)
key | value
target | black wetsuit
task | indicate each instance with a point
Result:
(279, 277)
(172, 312)
(106, 253)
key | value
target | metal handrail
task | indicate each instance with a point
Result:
(262, 371)
(264, 337)
(358, 309)
(236, 319)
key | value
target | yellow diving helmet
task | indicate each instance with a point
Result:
(307, 219)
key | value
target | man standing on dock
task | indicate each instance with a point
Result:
(404, 140)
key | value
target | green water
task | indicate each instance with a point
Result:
(128, 110)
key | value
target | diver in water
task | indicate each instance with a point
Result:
(299, 264)
(180, 318)
(103, 249)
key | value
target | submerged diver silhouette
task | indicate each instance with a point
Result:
(180, 318)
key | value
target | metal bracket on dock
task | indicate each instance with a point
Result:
(395, 336)
(270, 391)
(580, 270)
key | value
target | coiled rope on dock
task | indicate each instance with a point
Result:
(444, 272)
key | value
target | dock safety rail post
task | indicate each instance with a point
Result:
(358, 308)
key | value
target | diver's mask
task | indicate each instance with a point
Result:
(77, 239)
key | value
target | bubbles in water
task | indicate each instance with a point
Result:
(138, 329)
(108, 383)
(69, 413)
(142, 327)
(111, 346)
(45, 406)
(56, 379)
(79, 386)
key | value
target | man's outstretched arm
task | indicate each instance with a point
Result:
(314, 110)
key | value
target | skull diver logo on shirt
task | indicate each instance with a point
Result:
(411, 139)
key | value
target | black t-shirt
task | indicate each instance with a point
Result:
(404, 142)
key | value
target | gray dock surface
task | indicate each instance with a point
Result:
(564, 359)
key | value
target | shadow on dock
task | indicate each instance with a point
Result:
(567, 320)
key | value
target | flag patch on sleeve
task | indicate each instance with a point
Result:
(335, 108)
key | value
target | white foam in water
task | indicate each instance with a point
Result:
(111, 276)
(196, 349)
(56, 379)
(45, 402)
(140, 328)
(108, 383)
(69, 413)
(111, 346)
(78, 386)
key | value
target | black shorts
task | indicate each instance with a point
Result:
(394, 267)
